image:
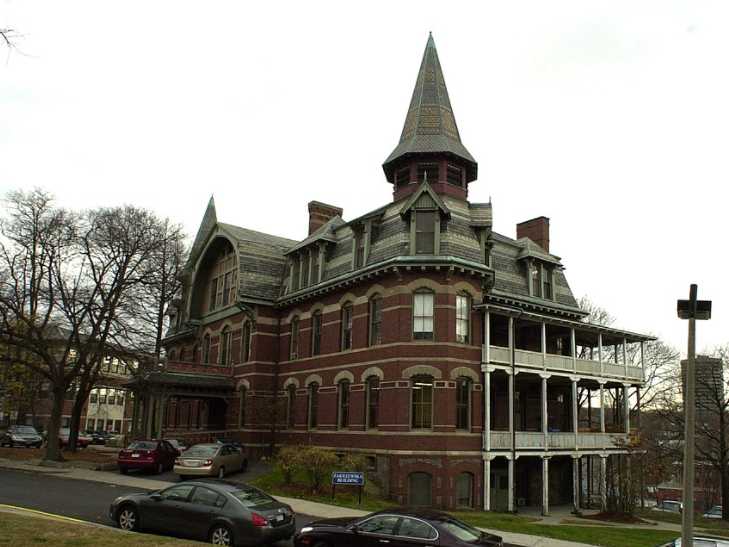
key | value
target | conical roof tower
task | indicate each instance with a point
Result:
(430, 131)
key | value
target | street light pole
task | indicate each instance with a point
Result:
(691, 309)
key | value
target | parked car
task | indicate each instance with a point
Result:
(713, 513)
(81, 442)
(402, 526)
(669, 506)
(154, 455)
(179, 445)
(700, 542)
(98, 437)
(220, 512)
(210, 460)
(21, 435)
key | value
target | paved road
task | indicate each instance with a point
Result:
(83, 500)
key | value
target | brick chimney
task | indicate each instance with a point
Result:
(536, 229)
(321, 213)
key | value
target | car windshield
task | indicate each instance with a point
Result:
(142, 445)
(25, 429)
(462, 531)
(250, 497)
(202, 451)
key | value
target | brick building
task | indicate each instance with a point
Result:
(453, 357)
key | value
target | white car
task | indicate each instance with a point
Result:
(669, 506)
(700, 542)
(713, 513)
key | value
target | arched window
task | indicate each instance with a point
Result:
(316, 333)
(343, 396)
(171, 356)
(294, 339)
(225, 342)
(223, 280)
(243, 392)
(347, 327)
(420, 489)
(183, 354)
(313, 405)
(422, 402)
(464, 490)
(423, 303)
(206, 349)
(463, 318)
(290, 402)
(195, 357)
(245, 342)
(372, 401)
(463, 403)
(376, 320)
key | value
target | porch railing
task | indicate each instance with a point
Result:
(525, 440)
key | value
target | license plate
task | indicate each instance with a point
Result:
(135, 455)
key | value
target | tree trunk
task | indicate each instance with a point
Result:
(75, 425)
(53, 448)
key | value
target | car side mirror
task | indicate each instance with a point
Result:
(355, 529)
(156, 497)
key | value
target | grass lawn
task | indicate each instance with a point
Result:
(716, 527)
(83, 455)
(31, 530)
(605, 536)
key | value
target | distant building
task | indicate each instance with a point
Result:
(709, 385)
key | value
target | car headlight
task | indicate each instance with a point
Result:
(306, 529)
(15, 438)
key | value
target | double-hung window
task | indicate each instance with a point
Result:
(425, 231)
(347, 327)
(463, 316)
(423, 315)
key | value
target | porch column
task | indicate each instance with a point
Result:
(603, 482)
(599, 354)
(544, 345)
(602, 407)
(135, 415)
(575, 418)
(510, 497)
(310, 273)
(511, 409)
(487, 484)
(575, 484)
(545, 486)
(625, 356)
(573, 345)
(642, 359)
(487, 337)
(161, 414)
(149, 406)
(545, 415)
(487, 410)
(511, 381)
(626, 407)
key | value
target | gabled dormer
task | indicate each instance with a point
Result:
(425, 210)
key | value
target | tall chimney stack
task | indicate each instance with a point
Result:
(536, 229)
(321, 213)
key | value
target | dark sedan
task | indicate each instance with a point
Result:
(395, 528)
(21, 435)
(219, 512)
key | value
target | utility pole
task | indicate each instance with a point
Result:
(691, 309)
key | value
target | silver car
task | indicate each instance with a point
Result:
(210, 460)
(713, 513)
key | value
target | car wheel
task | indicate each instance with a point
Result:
(160, 468)
(221, 474)
(128, 518)
(221, 535)
(123, 470)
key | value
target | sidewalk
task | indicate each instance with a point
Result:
(304, 507)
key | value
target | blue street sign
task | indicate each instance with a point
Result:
(350, 478)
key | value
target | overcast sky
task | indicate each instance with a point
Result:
(611, 118)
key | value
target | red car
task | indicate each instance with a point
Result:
(156, 455)
(81, 442)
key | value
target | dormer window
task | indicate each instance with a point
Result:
(295, 269)
(425, 231)
(223, 281)
(429, 171)
(304, 271)
(314, 266)
(535, 273)
(547, 284)
(359, 248)
(454, 175)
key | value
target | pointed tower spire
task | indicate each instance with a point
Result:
(209, 220)
(430, 127)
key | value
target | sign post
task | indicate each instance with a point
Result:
(691, 309)
(348, 478)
